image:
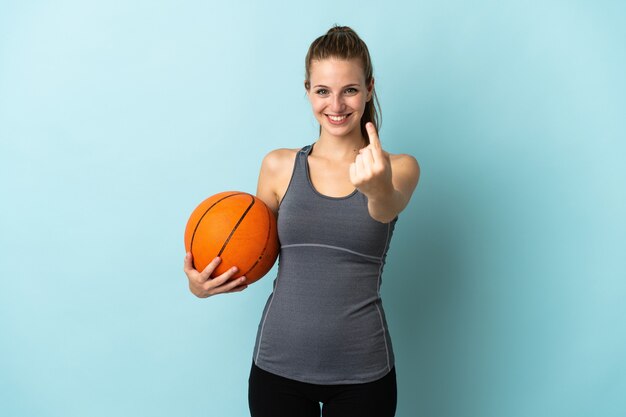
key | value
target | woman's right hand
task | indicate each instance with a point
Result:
(202, 285)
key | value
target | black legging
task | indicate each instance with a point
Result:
(271, 395)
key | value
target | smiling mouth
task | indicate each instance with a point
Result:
(337, 119)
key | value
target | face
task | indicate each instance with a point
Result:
(338, 95)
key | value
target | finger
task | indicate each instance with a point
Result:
(228, 286)
(239, 288)
(373, 135)
(360, 167)
(208, 270)
(189, 267)
(221, 280)
(188, 263)
(368, 157)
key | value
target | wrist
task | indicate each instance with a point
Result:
(382, 207)
(382, 195)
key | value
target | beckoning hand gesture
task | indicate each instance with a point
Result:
(370, 173)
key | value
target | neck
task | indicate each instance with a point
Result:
(339, 148)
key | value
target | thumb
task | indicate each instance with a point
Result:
(188, 264)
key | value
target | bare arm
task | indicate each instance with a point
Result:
(388, 185)
(274, 176)
(385, 206)
(200, 282)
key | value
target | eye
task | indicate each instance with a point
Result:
(321, 92)
(351, 90)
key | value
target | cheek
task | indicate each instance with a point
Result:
(317, 104)
(359, 103)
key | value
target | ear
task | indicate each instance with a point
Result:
(370, 89)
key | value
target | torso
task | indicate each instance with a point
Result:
(328, 178)
(324, 322)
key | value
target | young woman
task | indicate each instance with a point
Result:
(323, 336)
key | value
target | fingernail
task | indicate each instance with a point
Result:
(234, 269)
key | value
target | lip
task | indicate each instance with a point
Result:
(337, 123)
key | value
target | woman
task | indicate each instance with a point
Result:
(323, 336)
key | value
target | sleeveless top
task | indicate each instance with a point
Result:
(324, 321)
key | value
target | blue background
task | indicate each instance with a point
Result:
(505, 285)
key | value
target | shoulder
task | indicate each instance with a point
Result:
(274, 177)
(279, 160)
(405, 163)
(405, 173)
(277, 166)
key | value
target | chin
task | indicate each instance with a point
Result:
(342, 130)
(338, 131)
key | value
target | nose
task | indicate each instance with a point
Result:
(337, 104)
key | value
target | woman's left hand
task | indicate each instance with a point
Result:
(370, 173)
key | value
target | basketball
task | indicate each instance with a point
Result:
(239, 228)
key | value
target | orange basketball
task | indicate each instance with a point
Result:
(239, 228)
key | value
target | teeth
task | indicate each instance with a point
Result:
(337, 118)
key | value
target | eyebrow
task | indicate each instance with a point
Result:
(345, 86)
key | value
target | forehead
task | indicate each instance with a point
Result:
(333, 70)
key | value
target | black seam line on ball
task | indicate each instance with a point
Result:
(193, 236)
(232, 232)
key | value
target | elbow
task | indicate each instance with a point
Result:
(384, 219)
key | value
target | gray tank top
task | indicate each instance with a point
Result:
(324, 321)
